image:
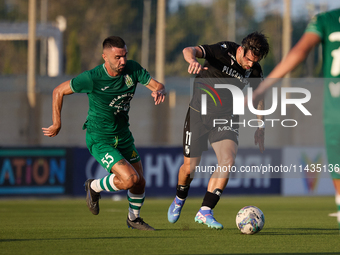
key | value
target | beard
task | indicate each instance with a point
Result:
(118, 69)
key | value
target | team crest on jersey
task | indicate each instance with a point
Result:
(128, 81)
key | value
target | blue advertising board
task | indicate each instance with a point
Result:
(60, 171)
(161, 167)
(35, 171)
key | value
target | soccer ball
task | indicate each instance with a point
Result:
(250, 220)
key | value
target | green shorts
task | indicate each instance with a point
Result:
(109, 150)
(332, 139)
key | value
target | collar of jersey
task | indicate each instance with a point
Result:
(113, 77)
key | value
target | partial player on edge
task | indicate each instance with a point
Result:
(324, 28)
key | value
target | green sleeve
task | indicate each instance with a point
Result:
(316, 26)
(82, 83)
(143, 76)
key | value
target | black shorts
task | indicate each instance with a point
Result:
(199, 129)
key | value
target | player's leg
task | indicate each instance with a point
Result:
(192, 150)
(226, 153)
(183, 185)
(136, 197)
(136, 193)
(121, 173)
(122, 177)
(107, 156)
(333, 150)
(336, 183)
(185, 176)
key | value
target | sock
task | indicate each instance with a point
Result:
(135, 203)
(105, 183)
(205, 208)
(337, 201)
(182, 191)
(211, 199)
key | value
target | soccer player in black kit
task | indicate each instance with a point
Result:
(223, 60)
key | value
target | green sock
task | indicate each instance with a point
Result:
(135, 203)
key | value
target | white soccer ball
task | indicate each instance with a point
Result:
(250, 220)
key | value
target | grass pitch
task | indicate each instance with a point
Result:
(294, 225)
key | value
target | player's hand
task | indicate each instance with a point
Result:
(158, 96)
(51, 131)
(195, 67)
(259, 138)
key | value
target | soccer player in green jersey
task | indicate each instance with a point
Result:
(324, 28)
(110, 88)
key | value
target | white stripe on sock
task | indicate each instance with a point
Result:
(104, 182)
(112, 176)
(136, 204)
(135, 196)
(337, 199)
(95, 185)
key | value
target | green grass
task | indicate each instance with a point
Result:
(294, 225)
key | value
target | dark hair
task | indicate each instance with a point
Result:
(257, 43)
(113, 41)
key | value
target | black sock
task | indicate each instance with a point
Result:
(211, 199)
(182, 191)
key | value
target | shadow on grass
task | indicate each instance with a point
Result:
(74, 238)
(304, 253)
(302, 231)
(268, 231)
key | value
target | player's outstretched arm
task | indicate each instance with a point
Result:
(57, 103)
(259, 133)
(190, 54)
(158, 91)
(295, 56)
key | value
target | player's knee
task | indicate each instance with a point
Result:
(227, 161)
(131, 181)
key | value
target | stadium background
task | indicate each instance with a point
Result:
(34, 165)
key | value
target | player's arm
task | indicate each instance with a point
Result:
(57, 103)
(158, 91)
(190, 55)
(259, 133)
(295, 56)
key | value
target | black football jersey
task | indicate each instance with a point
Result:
(220, 59)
